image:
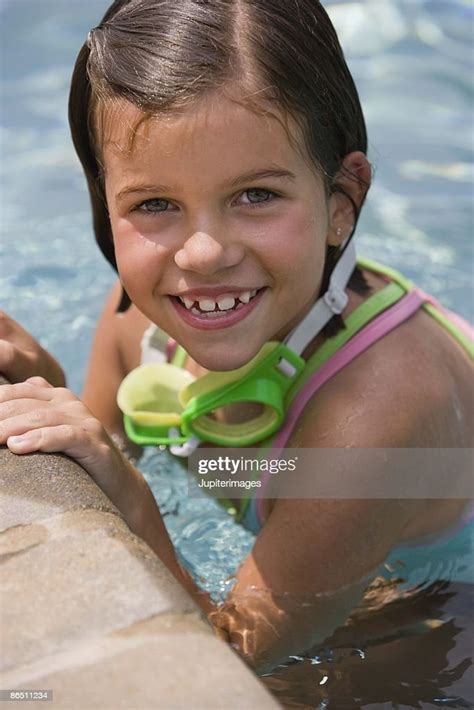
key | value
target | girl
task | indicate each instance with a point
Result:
(225, 152)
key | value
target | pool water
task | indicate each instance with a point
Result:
(412, 61)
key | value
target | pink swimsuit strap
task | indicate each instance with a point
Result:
(375, 330)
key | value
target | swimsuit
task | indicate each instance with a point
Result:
(374, 318)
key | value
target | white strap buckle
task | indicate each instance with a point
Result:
(335, 298)
(286, 367)
(186, 449)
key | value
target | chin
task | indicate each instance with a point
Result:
(222, 360)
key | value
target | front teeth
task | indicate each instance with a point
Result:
(226, 303)
(207, 305)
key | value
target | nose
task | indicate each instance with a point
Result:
(206, 255)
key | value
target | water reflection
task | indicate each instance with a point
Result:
(410, 652)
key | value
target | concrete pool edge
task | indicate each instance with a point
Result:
(88, 610)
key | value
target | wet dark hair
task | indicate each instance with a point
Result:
(162, 55)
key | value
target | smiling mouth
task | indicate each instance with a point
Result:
(210, 308)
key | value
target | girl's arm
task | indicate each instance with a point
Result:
(21, 356)
(308, 570)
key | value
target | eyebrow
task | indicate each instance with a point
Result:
(250, 176)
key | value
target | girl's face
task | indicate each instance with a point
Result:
(219, 224)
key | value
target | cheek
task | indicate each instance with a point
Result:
(295, 243)
(139, 260)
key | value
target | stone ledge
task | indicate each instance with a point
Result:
(190, 669)
(90, 612)
(120, 583)
(38, 486)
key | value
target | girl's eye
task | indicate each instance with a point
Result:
(154, 205)
(256, 195)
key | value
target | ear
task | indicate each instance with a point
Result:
(353, 179)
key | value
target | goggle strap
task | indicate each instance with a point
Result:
(331, 303)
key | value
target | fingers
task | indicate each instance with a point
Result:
(34, 405)
(40, 382)
(23, 400)
(34, 416)
(8, 326)
(31, 419)
(15, 362)
(21, 355)
(37, 417)
(50, 430)
(27, 409)
(62, 437)
(94, 454)
(30, 389)
(69, 439)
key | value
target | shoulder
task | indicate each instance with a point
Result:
(411, 388)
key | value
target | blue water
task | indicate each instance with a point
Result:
(412, 61)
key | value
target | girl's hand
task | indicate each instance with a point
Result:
(34, 416)
(21, 356)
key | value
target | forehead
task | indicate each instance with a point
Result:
(215, 125)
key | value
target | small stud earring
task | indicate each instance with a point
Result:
(338, 232)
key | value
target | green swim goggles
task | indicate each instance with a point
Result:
(165, 405)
